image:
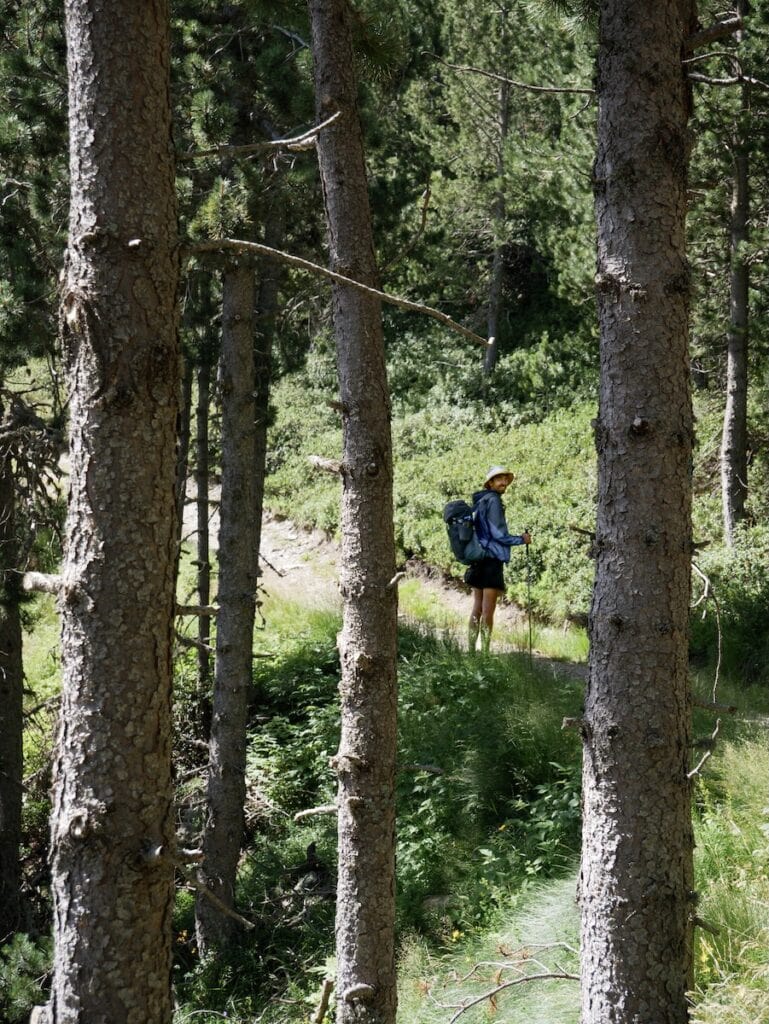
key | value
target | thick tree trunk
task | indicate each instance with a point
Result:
(366, 759)
(112, 823)
(636, 884)
(203, 536)
(226, 789)
(11, 709)
(734, 438)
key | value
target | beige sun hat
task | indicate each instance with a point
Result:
(499, 471)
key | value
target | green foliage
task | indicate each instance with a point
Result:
(732, 869)
(24, 968)
(740, 582)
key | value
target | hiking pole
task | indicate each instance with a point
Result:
(528, 597)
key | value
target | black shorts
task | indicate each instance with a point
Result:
(487, 574)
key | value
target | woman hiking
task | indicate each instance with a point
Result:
(486, 577)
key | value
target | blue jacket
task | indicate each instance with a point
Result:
(491, 527)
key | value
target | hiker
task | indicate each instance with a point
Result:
(486, 576)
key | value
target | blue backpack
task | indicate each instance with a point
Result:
(459, 518)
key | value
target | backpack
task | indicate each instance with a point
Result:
(460, 526)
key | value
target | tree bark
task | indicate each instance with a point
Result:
(365, 762)
(226, 789)
(203, 545)
(112, 822)
(11, 708)
(734, 438)
(636, 883)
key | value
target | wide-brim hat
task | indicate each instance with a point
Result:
(499, 471)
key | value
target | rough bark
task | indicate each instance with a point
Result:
(112, 822)
(226, 788)
(203, 537)
(365, 762)
(183, 451)
(734, 437)
(11, 708)
(636, 884)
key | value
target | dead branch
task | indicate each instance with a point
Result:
(718, 30)
(203, 611)
(431, 769)
(710, 742)
(194, 882)
(724, 709)
(309, 812)
(237, 245)
(735, 80)
(545, 976)
(295, 144)
(466, 68)
(188, 641)
(325, 996)
(415, 237)
(48, 583)
(327, 465)
(709, 593)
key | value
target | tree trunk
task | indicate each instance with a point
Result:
(226, 789)
(11, 709)
(636, 884)
(734, 438)
(112, 824)
(203, 499)
(498, 214)
(365, 762)
(183, 452)
(270, 273)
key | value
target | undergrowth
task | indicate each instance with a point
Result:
(488, 804)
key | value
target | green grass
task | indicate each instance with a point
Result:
(435, 982)
(732, 865)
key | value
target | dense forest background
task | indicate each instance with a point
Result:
(479, 125)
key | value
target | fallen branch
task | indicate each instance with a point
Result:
(238, 245)
(545, 976)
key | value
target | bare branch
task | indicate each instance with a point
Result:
(718, 30)
(310, 812)
(545, 976)
(736, 80)
(327, 465)
(466, 68)
(724, 709)
(325, 995)
(203, 611)
(48, 583)
(237, 245)
(192, 880)
(295, 144)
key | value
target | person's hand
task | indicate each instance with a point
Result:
(526, 538)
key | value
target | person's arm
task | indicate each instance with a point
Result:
(497, 526)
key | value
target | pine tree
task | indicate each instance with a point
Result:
(636, 879)
(112, 823)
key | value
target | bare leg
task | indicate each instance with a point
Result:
(489, 600)
(474, 624)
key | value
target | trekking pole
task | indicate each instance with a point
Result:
(528, 598)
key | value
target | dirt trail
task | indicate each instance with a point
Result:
(303, 565)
